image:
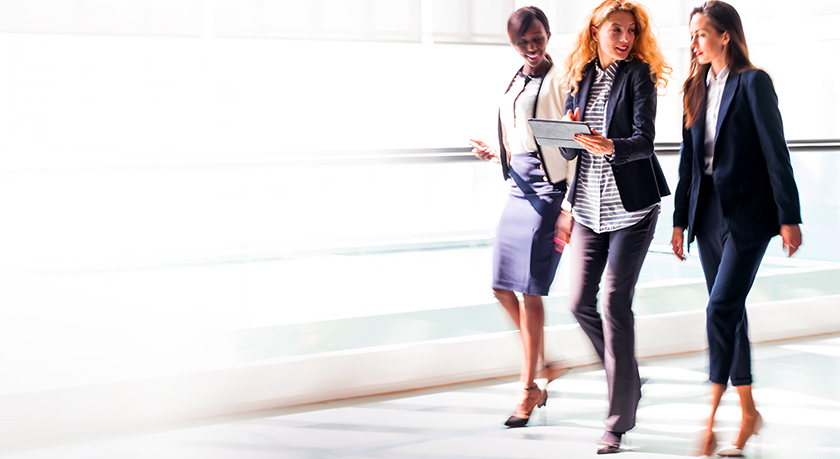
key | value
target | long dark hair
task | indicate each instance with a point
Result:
(522, 18)
(723, 17)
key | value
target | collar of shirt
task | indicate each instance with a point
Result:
(720, 78)
(609, 73)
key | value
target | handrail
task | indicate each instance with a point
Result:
(669, 148)
(463, 153)
(349, 157)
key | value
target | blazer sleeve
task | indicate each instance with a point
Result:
(681, 195)
(569, 153)
(640, 144)
(768, 122)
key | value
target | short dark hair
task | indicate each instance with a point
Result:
(522, 18)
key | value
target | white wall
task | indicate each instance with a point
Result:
(74, 99)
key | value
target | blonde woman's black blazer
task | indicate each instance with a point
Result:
(630, 115)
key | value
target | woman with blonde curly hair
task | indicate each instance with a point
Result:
(615, 193)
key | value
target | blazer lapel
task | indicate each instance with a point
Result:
(582, 95)
(617, 86)
(698, 135)
(726, 100)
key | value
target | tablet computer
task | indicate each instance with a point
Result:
(558, 133)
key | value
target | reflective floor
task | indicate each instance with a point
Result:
(796, 391)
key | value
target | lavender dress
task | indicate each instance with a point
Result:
(524, 259)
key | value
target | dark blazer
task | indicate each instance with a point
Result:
(630, 115)
(752, 171)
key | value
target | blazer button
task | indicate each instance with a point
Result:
(541, 166)
(545, 178)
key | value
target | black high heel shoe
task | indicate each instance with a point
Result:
(516, 421)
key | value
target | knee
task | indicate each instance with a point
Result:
(583, 300)
(503, 295)
(727, 295)
(724, 314)
(532, 302)
(582, 309)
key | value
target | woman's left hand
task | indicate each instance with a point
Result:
(595, 143)
(791, 238)
(677, 242)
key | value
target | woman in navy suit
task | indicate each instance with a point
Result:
(736, 191)
(615, 192)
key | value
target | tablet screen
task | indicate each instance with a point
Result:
(558, 133)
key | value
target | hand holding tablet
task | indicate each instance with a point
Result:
(558, 133)
(570, 133)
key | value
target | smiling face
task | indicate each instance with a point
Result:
(707, 44)
(531, 46)
(615, 37)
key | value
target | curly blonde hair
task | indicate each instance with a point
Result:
(645, 47)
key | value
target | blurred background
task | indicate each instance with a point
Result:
(210, 206)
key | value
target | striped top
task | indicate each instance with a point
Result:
(597, 200)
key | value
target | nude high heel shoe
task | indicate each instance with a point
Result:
(734, 451)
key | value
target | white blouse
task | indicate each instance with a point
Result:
(516, 107)
(714, 94)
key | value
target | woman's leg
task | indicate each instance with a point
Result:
(726, 315)
(531, 328)
(510, 302)
(529, 317)
(710, 442)
(749, 416)
(729, 275)
(627, 251)
(710, 240)
(587, 253)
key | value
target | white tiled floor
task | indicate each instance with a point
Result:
(795, 388)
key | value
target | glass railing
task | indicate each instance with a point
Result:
(218, 265)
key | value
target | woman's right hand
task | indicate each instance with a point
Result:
(483, 151)
(677, 242)
(563, 226)
(572, 116)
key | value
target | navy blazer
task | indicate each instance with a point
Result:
(751, 167)
(630, 115)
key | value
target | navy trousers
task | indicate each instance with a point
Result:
(729, 277)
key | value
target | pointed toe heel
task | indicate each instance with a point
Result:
(540, 401)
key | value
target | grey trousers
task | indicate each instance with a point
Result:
(622, 253)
